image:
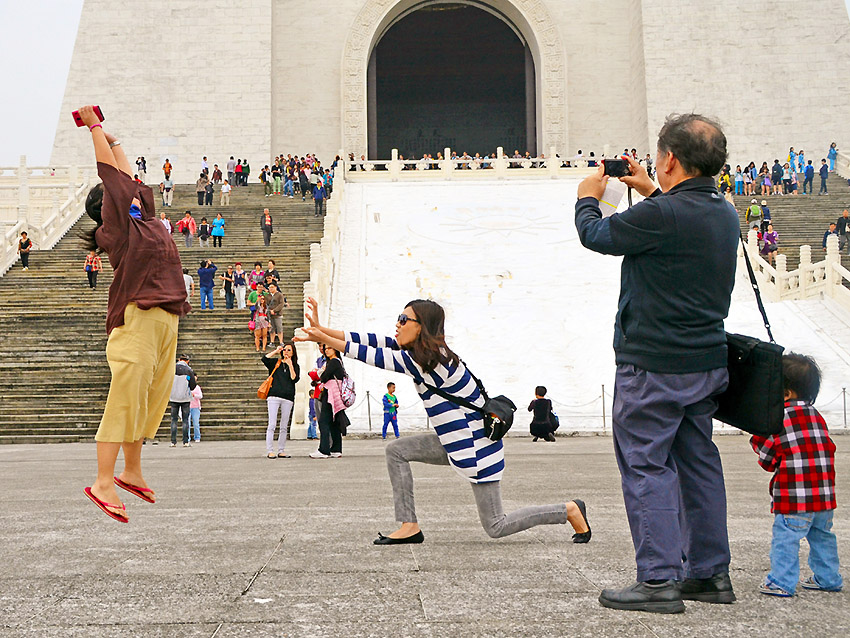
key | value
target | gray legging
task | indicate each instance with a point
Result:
(426, 448)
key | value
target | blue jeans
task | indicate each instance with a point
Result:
(390, 418)
(671, 473)
(816, 528)
(180, 410)
(311, 427)
(206, 297)
(287, 188)
(739, 187)
(195, 422)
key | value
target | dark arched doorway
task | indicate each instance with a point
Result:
(451, 74)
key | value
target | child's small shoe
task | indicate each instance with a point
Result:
(811, 583)
(769, 589)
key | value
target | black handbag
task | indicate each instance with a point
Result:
(498, 412)
(754, 401)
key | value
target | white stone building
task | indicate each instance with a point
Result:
(182, 79)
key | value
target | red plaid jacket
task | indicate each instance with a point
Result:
(802, 458)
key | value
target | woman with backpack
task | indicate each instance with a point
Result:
(285, 374)
(333, 421)
(419, 350)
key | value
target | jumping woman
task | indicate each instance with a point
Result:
(419, 350)
(146, 299)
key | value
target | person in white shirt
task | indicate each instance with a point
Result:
(190, 284)
(225, 193)
(165, 222)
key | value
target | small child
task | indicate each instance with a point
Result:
(802, 458)
(390, 411)
(543, 422)
(195, 413)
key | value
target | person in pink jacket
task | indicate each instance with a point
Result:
(195, 412)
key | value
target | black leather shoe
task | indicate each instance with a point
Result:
(664, 598)
(583, 537)
(717, 589)
(418, 537)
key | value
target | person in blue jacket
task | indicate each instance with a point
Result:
(206, 282)
(390, 411)
(808, 177)
(319, 197)
(824, 174)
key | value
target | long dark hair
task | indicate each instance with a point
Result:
(94, 203)
(430, 349)
(294, 358)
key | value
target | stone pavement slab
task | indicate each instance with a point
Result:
(240, 545)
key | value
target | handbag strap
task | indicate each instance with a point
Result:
(458, 400)
(756, 288)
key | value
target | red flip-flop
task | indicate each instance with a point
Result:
(103, 505)
(141, 492)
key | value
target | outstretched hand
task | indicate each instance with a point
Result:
(312, 314)
(593, 185)
(310, 333)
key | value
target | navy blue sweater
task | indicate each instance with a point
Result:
(679, 255)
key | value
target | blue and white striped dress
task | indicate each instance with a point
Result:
(461, 431)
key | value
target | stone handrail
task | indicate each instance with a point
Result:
(842, 165)
(35, 205)
(808, 280)
(499, 167)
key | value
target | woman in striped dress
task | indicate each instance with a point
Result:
(419, 350)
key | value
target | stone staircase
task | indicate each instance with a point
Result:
(53, 340)
(803, 219)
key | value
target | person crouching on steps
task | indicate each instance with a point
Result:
(390, 411)
(802, 490)
(146, 300)
(419, 350)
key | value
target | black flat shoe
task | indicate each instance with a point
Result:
(583, 537)
(418, 537)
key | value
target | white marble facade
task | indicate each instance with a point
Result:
(182, 79)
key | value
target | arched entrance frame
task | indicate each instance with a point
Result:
(529, 17)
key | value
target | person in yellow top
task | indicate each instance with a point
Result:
(93, 266)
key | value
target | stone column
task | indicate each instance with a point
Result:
(833, 259)
(804, 270)
(23, 190)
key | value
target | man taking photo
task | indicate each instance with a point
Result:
(679, 249)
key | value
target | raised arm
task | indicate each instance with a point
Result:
(114, 155)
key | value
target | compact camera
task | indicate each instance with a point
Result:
(616, 167)
(79, 120)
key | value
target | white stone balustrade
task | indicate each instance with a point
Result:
(43, 201)
(808, 280)
(500, 167)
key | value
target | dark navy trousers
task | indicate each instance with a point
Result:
(671, 472)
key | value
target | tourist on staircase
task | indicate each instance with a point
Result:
(824, 174)
(93, 266)
(276, 179)
(260, 319)
(843, 225)
(24, 248)
(208, 194)
(201, 188)
(833, 230)
(832, 154)
(146, 300)
(218, 230)
(206, 282)
(770, 244)
(231, 169)
(187, 228)
(419, 350)
(240, 284)
(204, 231)
(225, 193)
(304, 182)
(246, 172)
(285, 374)
(237, 177)
(166, 187)
(229, 295)
(319, 197)
(266, 226)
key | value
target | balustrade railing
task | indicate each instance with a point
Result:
(842, 165)
(43, 201)
(809, 279)
(448, 167)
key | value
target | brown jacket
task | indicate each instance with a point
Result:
(276, 303)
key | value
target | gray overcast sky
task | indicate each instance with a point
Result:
(36, 43)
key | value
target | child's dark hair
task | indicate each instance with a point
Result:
(540, 390)
(94, 203)
(390, 385)
(801, 375)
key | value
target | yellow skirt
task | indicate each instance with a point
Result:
(141, 356)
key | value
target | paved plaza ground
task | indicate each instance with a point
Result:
(239, 545)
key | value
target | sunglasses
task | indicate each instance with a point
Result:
(403, 319)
